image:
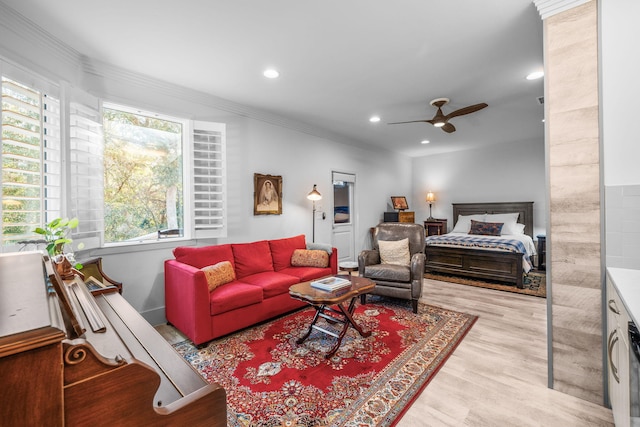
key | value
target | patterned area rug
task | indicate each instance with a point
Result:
(535, 283)
(272, 381)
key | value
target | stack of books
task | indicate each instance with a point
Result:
(331, 283)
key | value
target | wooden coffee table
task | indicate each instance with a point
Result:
(323, 301)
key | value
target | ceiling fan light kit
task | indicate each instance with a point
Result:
(440, 120)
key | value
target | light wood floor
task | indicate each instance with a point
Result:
(498, 374)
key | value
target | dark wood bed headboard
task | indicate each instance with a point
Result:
(525, 209)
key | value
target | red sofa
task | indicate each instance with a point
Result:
(261, 290)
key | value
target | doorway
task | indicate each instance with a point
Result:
(344, 215)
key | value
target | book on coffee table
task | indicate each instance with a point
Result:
(331, 283)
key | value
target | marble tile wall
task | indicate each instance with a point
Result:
(623, 226)
(571, 79)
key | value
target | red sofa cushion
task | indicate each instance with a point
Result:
(204, 255)
(282, 250)
(305, 274)
(252, 258)
(234, 295)
(272, 283)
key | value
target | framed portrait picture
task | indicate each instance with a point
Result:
(399, 203)
(267, 194)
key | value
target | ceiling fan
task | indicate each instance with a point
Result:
(440, 120)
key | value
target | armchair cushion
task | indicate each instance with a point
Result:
(388, 272)
(395, 252)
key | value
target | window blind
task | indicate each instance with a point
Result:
(209, 180)
(86, 177)
(31, 161)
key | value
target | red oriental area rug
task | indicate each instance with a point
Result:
(272, 381)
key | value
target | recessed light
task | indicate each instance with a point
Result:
(425, 141)
(374, 119)
(271, 73)
(535, 75)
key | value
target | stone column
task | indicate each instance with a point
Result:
(573, 163)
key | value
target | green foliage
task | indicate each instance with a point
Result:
(142, 165)
(55, 233)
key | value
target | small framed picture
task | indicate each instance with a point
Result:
(267, 194)
(399, 203)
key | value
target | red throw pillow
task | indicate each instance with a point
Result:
(486, 228)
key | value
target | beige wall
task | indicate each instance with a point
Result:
(571, 61)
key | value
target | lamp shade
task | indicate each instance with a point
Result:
(431, 197)
(314, 194)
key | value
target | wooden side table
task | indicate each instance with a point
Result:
(435, 227)
(542, 251)
(348, 266)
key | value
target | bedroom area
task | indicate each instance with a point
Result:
(513, 172)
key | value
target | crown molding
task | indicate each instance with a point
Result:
(547, 8)
(26, 30)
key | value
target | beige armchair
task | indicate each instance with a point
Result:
(394, 280)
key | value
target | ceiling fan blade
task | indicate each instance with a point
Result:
(448, 127)
(412, 121)
(467, 110)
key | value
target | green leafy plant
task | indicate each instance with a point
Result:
(56, 234)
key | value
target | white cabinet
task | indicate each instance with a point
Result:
(618, 356)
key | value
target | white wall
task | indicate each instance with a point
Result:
(620, 90)
(499, 173)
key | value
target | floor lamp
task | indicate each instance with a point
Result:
(313, 196)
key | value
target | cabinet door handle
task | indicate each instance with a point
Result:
(613, 306)
(613, 340)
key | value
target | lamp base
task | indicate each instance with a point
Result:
(431, 219)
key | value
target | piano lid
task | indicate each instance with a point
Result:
(23, 293)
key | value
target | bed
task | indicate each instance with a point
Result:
(505, 265)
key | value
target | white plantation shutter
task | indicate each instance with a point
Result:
(86, 177)
(30, 153)
(209, 198)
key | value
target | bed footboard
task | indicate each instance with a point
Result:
(482, 264)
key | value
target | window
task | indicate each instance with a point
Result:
(143, 175)
(161, 173)
(128, 176)
(31, 167)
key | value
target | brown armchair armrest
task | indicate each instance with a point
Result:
(367, 257)
(417, 264)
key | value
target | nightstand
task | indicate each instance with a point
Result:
(435, 227)
(542, 251)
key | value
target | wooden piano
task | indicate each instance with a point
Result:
(69, 357)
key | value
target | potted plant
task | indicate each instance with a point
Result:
(55, 234)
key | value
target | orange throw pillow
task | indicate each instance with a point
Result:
(310, 258)
(219, 274)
